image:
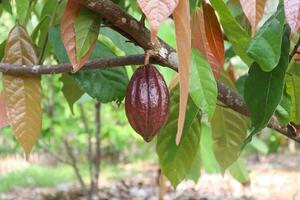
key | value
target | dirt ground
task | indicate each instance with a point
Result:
(275, 177)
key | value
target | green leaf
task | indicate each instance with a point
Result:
(180, 162)
(105, 85)
(87, 27)
(22, 8)
(238, 37)
(238, 170)
(259, 145)
(264, 90)
(229, 129)
(57, 45)
(209, 161)
(203, 87)
(265, 47)
(293, 89)
(7, 6)
(283, 110)
(71, 90)
(121, 42)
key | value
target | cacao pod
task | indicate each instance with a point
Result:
(147, 102)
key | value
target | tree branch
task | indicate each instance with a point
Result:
(163, 55)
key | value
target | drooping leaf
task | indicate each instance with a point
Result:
(157, 12)
(203, 87)
(22, 8)
(263, 90)
(22, 93)
(71, 90)
(207, 37)
(265, 47)
(68, 30)
(293, 89)
(238, 36)
(254, 11)
(292, 13)
(239, 171)
(229, 129)
(183, 40)
(178, 161)
(4, 121)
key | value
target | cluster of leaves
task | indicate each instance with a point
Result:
(200, 131)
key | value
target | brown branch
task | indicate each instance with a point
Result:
(163, 55)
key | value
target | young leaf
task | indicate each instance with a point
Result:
(22, 93)
(265, 47)
(263, 90)
(229, 129)
(4, 121)
(254, 11)
(203, 87)
(293, 89)
(292, 13)
(79, 29)
(22, 8)
(157, 12)
(178, 161)
(238, 37)
(68, 30)
(183, 40)
(207, 37)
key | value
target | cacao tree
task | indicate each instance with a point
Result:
(93, 45)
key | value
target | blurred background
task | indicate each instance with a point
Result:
(60, 165)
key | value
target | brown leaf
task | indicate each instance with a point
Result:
(22, 93)
(207, 37)
(292, 12)
(254, 11)
(4, 121)
(68, 31)
(157, 11)
(183, 39)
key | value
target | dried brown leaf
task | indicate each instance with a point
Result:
(22, 93)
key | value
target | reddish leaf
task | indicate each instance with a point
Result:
(207, 37)
(68, 31)
(292, 12)
(254, 11)
(183, 40)
(4, 121)
(157, 11)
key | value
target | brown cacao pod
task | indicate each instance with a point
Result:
(147, 102)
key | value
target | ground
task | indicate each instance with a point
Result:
(273, 177)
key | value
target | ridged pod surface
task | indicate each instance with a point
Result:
(147, 102)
